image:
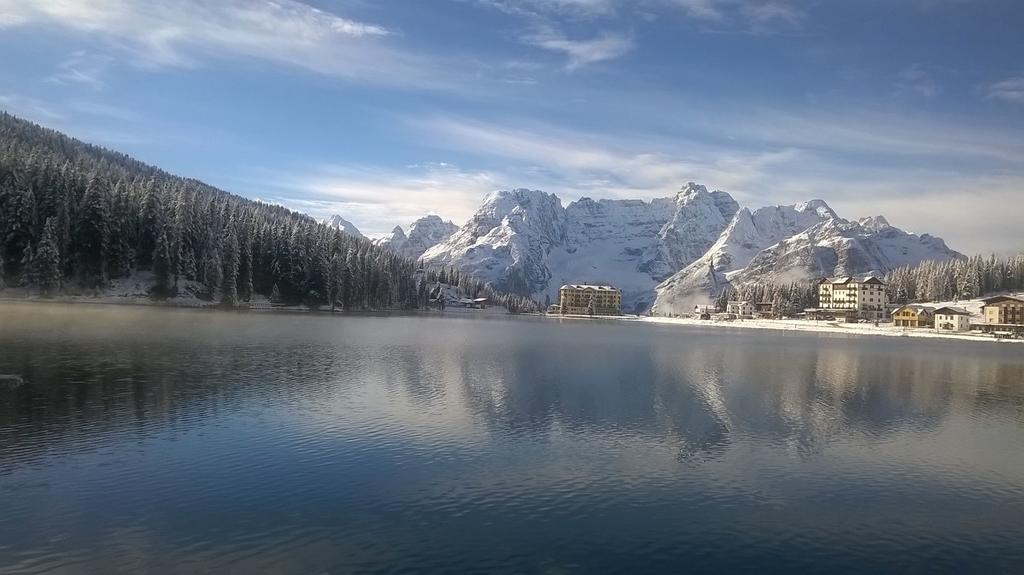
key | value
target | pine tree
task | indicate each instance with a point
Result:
(162, 265)
(28, 269)
(92, 241)
(47, 260)
(231, 263)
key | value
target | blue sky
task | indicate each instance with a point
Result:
(383, 111)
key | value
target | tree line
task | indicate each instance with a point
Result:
(74, 217)
(929, 281)
(959, 279)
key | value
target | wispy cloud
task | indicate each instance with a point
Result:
(575, 164)
(82, 68)
(377, 198)
(1009, 90)
(606, 46)
(28, 107)
(917, 80)
(185, 33)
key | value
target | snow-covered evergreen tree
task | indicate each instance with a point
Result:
(47, 261)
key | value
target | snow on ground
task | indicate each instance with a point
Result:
(885, 329)
(827, 327)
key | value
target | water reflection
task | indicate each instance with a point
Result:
(161, 438)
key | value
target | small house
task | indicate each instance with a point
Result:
(913, 315)
(952, 319)
(764, 310)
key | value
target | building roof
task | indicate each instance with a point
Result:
(1001, 299)
(590, 286)
(950, 310)
(852, 279)
(918, 308)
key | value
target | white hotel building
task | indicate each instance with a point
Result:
(854, 298)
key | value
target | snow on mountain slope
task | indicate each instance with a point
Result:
(339, 223)
(524, 241)
(747, 234)
(839, 247)
(830, 247)
(668, 252)
(507, 240)
(424, 234)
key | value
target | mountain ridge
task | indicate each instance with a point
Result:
(665, 253)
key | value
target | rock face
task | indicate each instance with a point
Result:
(424, 234)
(784, 244)
(744, 238)
(525, 241)
(668, 254)
(339, 223)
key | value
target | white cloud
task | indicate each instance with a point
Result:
(82, 68)
(917, 80)
(377, 198)
(184, 33)
(580, 53)
(28, 107)
(1009, 90)
(575, 164)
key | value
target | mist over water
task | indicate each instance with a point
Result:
(177, 441)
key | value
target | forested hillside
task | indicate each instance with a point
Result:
(74, 216)
(961, 279)
(954, 280)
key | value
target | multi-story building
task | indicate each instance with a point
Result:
(913, 315)
(952, 319)
(1003, 310)
(854, 298)
(586, 299)
(740, 308)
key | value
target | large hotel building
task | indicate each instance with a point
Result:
(586, 299)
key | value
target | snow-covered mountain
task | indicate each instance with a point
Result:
(784, 244)
(669, 253)
(525, 241)
(424, 234)
(339, 223)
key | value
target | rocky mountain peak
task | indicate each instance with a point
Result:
(341, 224)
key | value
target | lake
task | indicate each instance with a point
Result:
(180, 441)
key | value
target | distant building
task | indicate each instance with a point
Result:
(952, 319)
(703, 311)
(740, 308)
(853, 298)
(554, 309)
(587, 299)
(913, 315)
(1003, 310)
(764, 310)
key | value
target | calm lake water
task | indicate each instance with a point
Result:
(172, 441)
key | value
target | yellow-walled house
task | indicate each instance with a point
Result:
(913, 316)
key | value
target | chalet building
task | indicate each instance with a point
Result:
(764, 310)
(1003, 310)
(740, 308)
(853, 298)
(587, 299)
(952, 319)
(913, 316)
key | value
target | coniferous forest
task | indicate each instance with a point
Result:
(74, 216)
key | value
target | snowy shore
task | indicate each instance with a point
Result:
(864, 329)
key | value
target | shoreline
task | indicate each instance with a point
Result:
(783, 325)
(803, 326)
